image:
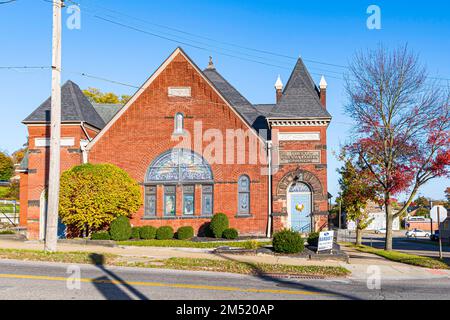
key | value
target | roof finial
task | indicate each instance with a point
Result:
(211, 63)
(323, 83)
(279, 84)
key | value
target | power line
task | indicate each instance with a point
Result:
(6, 2)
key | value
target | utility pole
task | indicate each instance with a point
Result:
(55, 132)
(340, 213)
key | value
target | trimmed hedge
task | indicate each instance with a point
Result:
(147, 232)
(230, 234)
(287, 241)
(100, 235)
(184, 233)
(135, 233)
(313, 239)
(164, 233)
(120, 229)
(219, 223)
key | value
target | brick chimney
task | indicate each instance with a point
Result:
(323, 92)
(279, 89)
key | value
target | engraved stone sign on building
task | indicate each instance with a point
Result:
(297, 156)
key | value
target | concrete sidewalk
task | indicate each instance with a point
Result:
(159, 253)
(362, 265)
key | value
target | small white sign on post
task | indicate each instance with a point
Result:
(442, 213)
(325, 241)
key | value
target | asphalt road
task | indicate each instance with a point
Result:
(418, 246)
(38, 280)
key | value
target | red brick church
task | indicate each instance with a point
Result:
(197, 147)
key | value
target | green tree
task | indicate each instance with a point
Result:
(422, 212)
(96, 96)
(6, 167)
(422, 202)
(93, 195)
(357, 190)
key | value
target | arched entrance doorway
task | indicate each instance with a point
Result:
(299, 206)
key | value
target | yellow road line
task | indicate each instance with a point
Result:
(160, 284)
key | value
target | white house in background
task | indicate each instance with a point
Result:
(379, 219)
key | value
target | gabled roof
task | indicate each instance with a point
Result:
(107, 110)
(234, 97)
(300, 97)
(206, 78)
(75, 107)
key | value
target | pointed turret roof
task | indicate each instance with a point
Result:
(300, 97)
(75, 107)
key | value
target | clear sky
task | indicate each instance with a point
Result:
(324, 31)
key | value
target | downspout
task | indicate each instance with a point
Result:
(269, 196)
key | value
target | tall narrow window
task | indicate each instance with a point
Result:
(179, 123)
(188, 200)
(150, 201)
(169, 200)
(207, 200)
(244, 195)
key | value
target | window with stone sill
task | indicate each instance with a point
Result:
(244, 195)
(179, 124)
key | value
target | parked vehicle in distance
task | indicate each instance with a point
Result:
(416, 219)
(417, 233)
(435, 236)
(380, 231)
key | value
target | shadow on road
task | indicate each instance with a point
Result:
(108, 287)
(286, 283)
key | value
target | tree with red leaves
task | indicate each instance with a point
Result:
(357, 190)
(402, 124)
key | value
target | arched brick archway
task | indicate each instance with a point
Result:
(302, 176)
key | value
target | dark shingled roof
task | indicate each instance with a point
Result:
(234, 98)
(300, 97)
(107, 111)
(75, 107)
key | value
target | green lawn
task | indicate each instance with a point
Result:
(402, 257)
(190, 244)
(174, 263)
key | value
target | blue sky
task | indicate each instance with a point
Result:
(325, 31)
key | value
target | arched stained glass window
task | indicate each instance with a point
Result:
(244, 195)
(299, 187)
(179, 165)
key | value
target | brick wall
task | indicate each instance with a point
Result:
(145, 130)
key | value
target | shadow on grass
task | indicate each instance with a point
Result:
(287, 283)
(107, 285)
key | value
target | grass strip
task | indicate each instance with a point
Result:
(191, 244)
(420, 261)
(193, 264)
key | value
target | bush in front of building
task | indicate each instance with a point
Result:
(184, 233)
(100, 235)
(135, 233)
(164, 233)
(147, 232)
(313, 239)
(120, 229)
(287, 241)
(219, 223)
(230, 234)
(94, 195)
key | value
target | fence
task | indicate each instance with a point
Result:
(9, 212)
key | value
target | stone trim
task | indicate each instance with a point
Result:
(304, 176)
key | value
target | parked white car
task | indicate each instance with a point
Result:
(417, 233)
(380, 231)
